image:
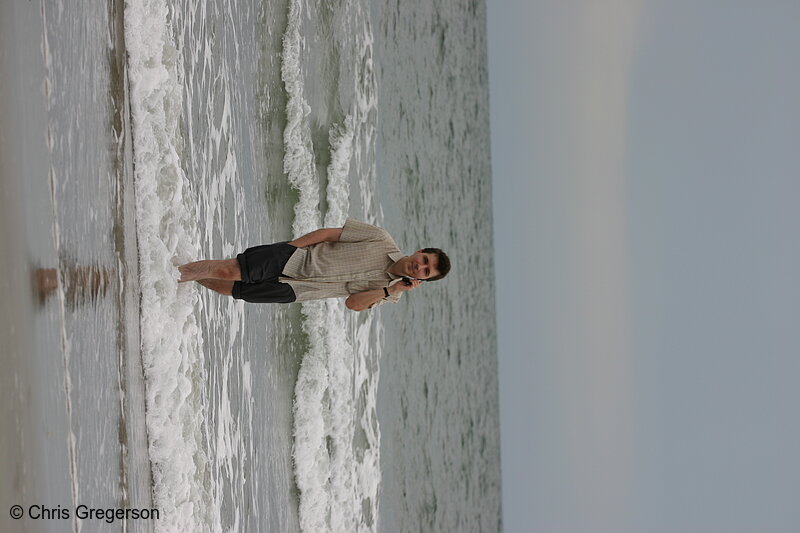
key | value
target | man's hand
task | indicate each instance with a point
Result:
(361, 301)
(402, 286)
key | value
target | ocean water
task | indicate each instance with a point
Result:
(160, 132)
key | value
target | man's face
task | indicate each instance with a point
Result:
(422, 265)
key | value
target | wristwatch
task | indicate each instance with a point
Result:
(386, 292)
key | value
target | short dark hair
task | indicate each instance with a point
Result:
(443, 263)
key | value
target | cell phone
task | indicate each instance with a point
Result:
(407, 280)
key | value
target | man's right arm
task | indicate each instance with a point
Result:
(318, 236)
(361, 301)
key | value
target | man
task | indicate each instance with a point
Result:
(358, 261)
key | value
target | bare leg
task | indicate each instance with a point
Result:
(227, 269)
(219, 285)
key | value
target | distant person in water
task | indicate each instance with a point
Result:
(359, 261)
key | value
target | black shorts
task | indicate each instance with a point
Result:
(261, 266)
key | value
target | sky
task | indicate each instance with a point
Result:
(645, 190)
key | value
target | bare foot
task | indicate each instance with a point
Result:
(191, 271)
(184, 272)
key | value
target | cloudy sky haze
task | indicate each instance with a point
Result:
(645, 160)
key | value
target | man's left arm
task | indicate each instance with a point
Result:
(317, 236)
(361, 301)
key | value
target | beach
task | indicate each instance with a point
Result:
(150, 134)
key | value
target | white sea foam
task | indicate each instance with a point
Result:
(167, 236)
(336, 446)
(298, 160)
(336, 435)
(212, 162)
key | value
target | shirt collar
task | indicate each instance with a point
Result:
(395, 257)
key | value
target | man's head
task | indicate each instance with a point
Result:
(428, 264)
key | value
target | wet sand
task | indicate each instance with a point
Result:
(40, 444)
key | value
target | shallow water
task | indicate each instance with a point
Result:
(234, 125)
(71, 348)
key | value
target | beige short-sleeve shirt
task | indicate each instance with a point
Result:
(356, 263)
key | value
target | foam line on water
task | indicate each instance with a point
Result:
(337, 479)
(298, 159)
(167, 236)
